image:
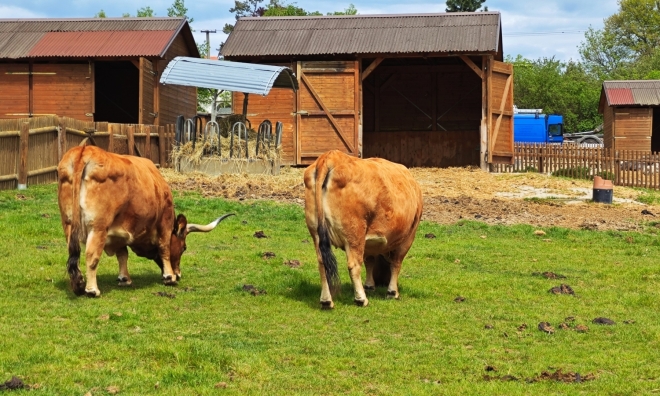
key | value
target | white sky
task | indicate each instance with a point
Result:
(533, 29)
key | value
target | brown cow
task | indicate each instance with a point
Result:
(369, 208)
(110, 201)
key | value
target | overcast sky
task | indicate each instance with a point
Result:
(533, 29)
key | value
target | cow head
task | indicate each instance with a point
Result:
(178, 241)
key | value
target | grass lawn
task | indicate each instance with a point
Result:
(209, 336)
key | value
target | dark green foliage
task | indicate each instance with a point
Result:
(578, 172)
(557, 87)
(464, 5)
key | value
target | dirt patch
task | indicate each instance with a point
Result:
(562, 289)
(14, 383)
(453, 194)
(253, 290)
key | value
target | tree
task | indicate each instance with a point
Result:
(558, 87)
(145, 12)
(351, 10)
(247, 8)
(464, 5)
(100, 14)
(178, 9)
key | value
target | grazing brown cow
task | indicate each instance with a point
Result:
(369, 208)
(110, 201)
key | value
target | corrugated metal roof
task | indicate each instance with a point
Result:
(98, 37)
(230, 76)
(364, 34)
(632, 92)
(101, 43)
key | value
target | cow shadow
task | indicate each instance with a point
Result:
(107, 283)
(307, 291)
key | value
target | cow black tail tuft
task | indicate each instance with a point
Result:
(75, 276)
(329, 259)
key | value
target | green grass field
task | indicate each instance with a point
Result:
(209, 336)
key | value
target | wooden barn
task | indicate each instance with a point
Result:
(99, 69)
(419, 89)
(631, 115)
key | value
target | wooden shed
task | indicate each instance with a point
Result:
(98, 69)
(631, 115)
(420, 89)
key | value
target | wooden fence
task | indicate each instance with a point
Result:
(31, 148)
(623, 167)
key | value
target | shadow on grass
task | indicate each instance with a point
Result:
(303, 290)
(107, 283)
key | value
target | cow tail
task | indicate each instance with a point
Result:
(75, 276)
(323, 170)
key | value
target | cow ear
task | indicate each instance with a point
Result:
(180, 226)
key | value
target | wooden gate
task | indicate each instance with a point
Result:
(328, 106)
(500, 112)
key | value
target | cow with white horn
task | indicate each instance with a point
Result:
(111, 202)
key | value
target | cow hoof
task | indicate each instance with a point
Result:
(123, 281)
(361, 303)
(327, 305)
(392, 294)
(92, 292)
(169, 281)
(370, 288)
(178, 277)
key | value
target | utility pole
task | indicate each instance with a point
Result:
(208, 43)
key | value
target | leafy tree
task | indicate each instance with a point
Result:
(464, 5)
(100, 14)
(145, 12)
(247, 8)
(604, 56)
(564, 88)
(351, 10)
(179, 9)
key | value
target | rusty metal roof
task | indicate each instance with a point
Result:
(88, 37)
(632, 92)
(472, 32)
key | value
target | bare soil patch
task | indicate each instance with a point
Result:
(453, 194)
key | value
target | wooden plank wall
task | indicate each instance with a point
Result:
(336, 85)
(67, 93)
(399, 104)
(14, 95)
(633, 128)
(427, 149)
(278, 105)
(175, 100)
(46, 145)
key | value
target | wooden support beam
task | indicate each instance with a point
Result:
(472, 66)
(23, 156)
(147, 142)
(161, 147)
(371, 68)
(131, 139)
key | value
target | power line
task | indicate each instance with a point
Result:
(543, 33)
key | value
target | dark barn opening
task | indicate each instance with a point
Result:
(655, 130)
(117, 92)
(423, 112)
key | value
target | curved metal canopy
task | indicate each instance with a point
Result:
(229, 76)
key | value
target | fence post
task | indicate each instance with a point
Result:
(131, 139)
(161, 146)
(147, 142)
(61, 139)
(111, 138)
(23, 156)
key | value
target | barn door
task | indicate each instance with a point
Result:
(147, 78)
(500, 112)
(328, 108)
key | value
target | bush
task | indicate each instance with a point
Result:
(578, 172)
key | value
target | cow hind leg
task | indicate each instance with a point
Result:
(124, 278)
(94, 248)
(395, 268)
(355, 256)
(370, 263)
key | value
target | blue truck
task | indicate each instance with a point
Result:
(532, 126)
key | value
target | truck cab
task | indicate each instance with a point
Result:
(532, 126)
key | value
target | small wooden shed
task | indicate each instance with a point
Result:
(94, 69)
(419, 89)
(631, 114)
